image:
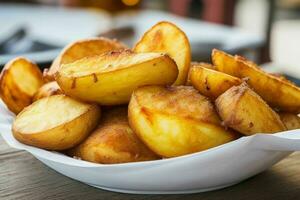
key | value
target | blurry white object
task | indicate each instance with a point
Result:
(246, 12)
(53, 25)
(285, 43)
(212, 169)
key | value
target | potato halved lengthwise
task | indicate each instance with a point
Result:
(113, 141)
(211, 83)
(55, 123)
(175, 121)
(276, 91)
(109, 79)
(49, 89)
(80, 49)
(245, 111)
(167, 38)
(290, 120)
(19, 81)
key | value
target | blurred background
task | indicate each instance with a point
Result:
(265, 31)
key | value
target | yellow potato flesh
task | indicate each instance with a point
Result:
(175, 121)
(56, 122)
(19, 81)
(111, 78)
(211, 83)
(278, 92)
(243, 110)
(167, 38)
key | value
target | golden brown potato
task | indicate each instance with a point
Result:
(113, 141)
(202, 64)
(291, 121)
(19, 81)
(243, 110)
(167, 38)
(211, 83)
(194, 64)
(175, 121)
(109, 79)
(80, 49)
(56, 123)
(49, 89)
(278, 92)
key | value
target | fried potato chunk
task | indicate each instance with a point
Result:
(276, 91)
(243, 110)
(290, 120)
(109, 79)
(175, 121)
(167, 38)
(49, 89)
(80, 49)
(113, 142)
(56, 123)
(194, 64)
(211, 83)
(19, 81)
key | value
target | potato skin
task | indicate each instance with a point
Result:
(109, 79)
(167, 38)
(276, 91)
(175, 121)
(113, 142)
(49, 89)
(19, 80)
(61, 136)
(243, 110)
(211, 83)
(80, 49)
(290, 120)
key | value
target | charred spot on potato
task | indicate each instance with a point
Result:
(73, 83)
(251, 125)
(206, 84)
(246, 79)
(95, 77)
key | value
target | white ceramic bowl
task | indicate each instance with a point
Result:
(212, 169)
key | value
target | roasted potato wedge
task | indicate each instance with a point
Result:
(80, 49)
(167, 38)
(56, 123)
(175, 121)
(49, 89)
(245, 111)
(113, 142)
(19, 81)
(211, 83)
(290, 120)
(109, 79)
(193, 64)
(276, 91)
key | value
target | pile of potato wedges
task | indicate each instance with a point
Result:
(103, 102)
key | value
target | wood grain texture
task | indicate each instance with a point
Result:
(24, 177)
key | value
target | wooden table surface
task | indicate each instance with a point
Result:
(24, 177)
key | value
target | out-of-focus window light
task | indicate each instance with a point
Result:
(130, 2)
